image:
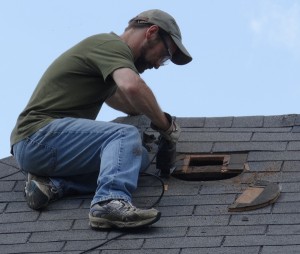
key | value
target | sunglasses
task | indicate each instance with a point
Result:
(168, 57)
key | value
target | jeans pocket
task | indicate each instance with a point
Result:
(38, 158)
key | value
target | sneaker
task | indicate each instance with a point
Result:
(39, 192)
(121, 214)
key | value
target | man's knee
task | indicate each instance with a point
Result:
(130, 131)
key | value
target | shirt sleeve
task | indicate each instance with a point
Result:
(111, 55)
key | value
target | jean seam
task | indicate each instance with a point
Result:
(118, 164)
(51, 149)
(72, 132)
(22, 152)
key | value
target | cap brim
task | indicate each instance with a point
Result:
(181, 56)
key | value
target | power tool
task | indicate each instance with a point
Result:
(166, 157)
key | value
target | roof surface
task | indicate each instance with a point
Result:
(195, 217)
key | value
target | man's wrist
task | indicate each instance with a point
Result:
(169, 120)
(172, 133)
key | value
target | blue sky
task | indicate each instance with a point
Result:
(246, 53)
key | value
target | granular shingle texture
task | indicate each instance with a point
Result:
(195, 217)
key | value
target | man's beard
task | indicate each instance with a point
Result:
(141, 63)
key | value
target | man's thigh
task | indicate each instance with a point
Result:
(65, 147)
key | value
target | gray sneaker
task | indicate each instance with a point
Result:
(39, 192)
(121, 214)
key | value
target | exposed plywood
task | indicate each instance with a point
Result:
(249, 195)
(257, 196)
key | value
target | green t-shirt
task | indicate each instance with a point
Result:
(76, 84)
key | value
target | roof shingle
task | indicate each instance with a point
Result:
(195, 217)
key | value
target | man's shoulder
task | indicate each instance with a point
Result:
(98, 43)
(102, 42)
(104, 37)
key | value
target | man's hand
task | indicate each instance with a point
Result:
(172, 133)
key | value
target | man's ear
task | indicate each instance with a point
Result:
(151, 32)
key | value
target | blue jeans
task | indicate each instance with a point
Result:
(82, 156)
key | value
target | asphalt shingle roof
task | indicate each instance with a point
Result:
(195, 217)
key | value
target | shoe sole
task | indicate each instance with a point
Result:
(36, 199)
(102, 223)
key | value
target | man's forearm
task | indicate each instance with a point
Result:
(144, 101)
(140, 96)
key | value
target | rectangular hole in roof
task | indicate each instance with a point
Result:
(199, 161)
(208, 167)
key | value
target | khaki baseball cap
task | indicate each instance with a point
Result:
(166, 22)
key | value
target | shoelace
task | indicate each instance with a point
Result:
(127, 205)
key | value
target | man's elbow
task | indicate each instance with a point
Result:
(133, 113)
(131, 91)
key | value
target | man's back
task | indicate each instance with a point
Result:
(76, 84)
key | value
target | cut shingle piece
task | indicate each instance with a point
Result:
(257, 196)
